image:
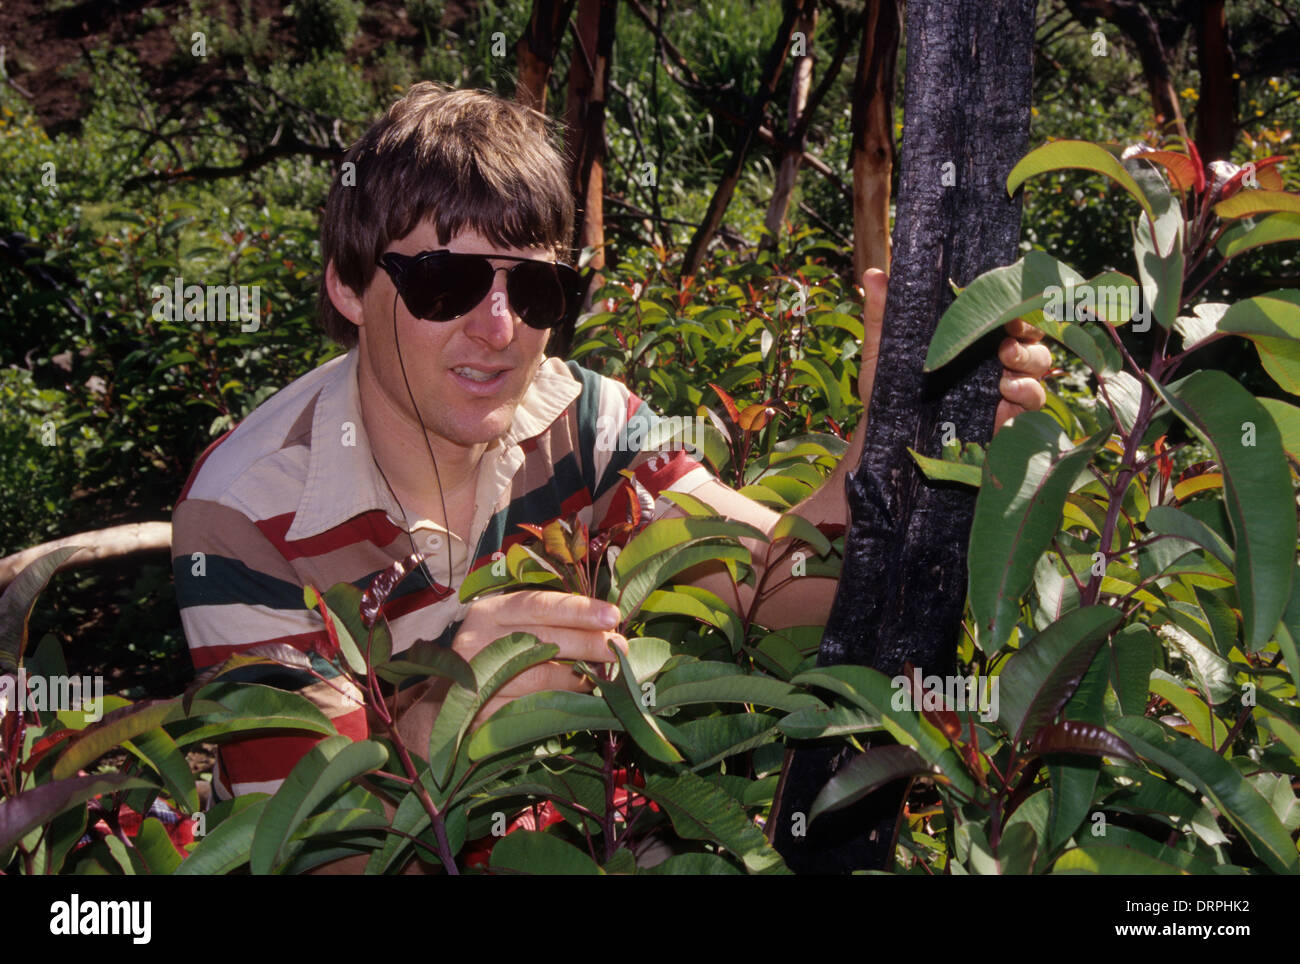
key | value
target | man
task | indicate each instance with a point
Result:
(445, 426)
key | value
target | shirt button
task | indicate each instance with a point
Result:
(433, 542)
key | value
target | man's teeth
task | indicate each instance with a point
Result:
(473, 374)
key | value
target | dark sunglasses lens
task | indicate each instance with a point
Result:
(443, 288)
(538, 293)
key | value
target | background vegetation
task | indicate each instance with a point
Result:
(103, 105)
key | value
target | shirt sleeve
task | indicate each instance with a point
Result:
(622, 432)
(236, 591)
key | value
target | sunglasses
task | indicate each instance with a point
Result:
(443, 285)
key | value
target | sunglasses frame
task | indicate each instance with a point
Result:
(400, 268)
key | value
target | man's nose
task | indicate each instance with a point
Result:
(492, 321)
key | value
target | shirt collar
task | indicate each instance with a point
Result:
(342, 478)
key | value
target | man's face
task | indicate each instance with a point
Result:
(445, 361)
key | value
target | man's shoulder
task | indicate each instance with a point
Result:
(267, 451)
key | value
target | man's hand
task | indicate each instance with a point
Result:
(582, 627)
(1024, 358)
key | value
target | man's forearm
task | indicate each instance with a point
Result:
(788, 598)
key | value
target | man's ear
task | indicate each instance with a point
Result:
(346, 301)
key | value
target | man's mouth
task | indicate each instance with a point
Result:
(478, 374)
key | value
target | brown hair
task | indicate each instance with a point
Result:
(465, 158)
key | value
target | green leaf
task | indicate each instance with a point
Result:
(494, 666)
(865, 773)
(694, 865)
(1084, 155)
(628, 703)
(1027, 475)
(115, 728)
(17, 602)
(1287, 418)
(714, 738)
(240, 707)
(667, 547)
(1283, 226)
(160, 751)
(427, 658)
(1131, 656)
(701, 810)
(887, 700)
(228, 845)
(538, 716)
(1249, 203)
(337, 628)
(1110, 859)
(1272, 322)
(1158, 244)
(1041, 677)
(1219, 780)
(326, 767)
(698, 603)
(813, 722)
(1257, 491)
(1166, 520)
(155, 848)
(410, 818)
(993, 299)
(940, 470)
(354, 829)
(722, 683)
(794, 526)
(533, 852)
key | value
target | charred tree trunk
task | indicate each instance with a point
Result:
(903, 586)
(1216, 114)
(872, 153)
(593, 47)
(535, 50)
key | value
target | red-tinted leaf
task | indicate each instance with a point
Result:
(728, 403)
(555, 539)
(1198, 166)
(578, 544)
(373, 599)
(1074, 736)
(945, 720)
(1182, 169)
(43, 746)
(644, 501)
(753, 418)
(21, 814)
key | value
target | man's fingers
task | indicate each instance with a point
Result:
(536, 607)
(875, 285)
(1005, 413)
(1018, 358)
(1022, 330)
(1022, 391)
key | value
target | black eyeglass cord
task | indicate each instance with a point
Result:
(441, 591)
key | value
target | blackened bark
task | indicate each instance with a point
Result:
(903, 586)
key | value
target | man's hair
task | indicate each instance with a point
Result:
(465, 159)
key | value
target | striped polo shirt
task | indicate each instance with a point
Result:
(291, 496)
